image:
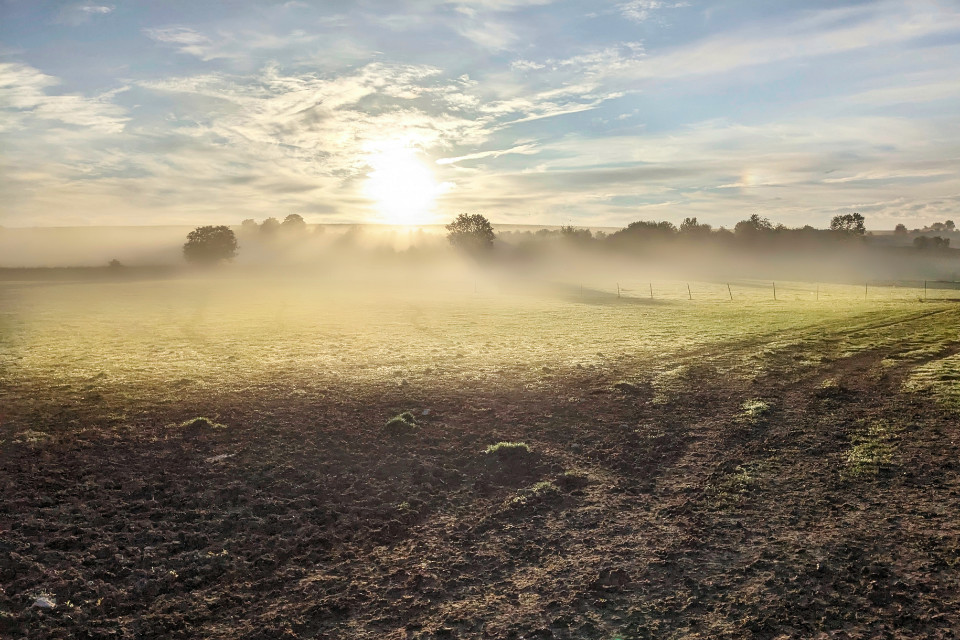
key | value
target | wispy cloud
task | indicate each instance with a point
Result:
(528, 108)
(523, 149)
(25, 98)
(227, 44)
(77, 14)
(641, 10)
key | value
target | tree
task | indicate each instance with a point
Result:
(294, 223)
(752, 226)
(900, 230)
(249, 226)
(851, 223)
(471, 233)
(949, 224)
(934, 243)
(690, 227)
(576, 236)
(269, 226)
(208, 245)
(643, 231)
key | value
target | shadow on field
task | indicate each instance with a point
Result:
(586, 295)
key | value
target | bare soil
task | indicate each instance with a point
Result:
(671, 513)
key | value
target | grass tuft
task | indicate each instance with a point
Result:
(754, 408)
(201, 422)
(539, 493)
(401, 424)
(508, 451)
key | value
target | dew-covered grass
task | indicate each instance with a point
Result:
(192, 337)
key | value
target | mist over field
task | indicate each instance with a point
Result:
(459, 319)
(546, 253)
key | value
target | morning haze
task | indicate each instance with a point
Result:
(479, 319)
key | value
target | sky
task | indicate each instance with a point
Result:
(582, 112)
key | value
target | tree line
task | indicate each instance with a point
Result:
(474, 234)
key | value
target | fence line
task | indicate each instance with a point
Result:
(778, 291)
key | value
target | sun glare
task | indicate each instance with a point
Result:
(402, 186)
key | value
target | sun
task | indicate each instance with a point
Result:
(403, 187)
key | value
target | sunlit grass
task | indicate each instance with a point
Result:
(939, 377)
(753, 409)
(193, 337)
(873, 450)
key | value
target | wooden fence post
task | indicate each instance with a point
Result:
(729, 291)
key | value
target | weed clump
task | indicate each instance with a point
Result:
(540, 493)
(572, 480)
(754, 408)
(201, 422)
(401, 424)
(509, 451)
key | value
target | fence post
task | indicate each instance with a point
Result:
(924, 290)
(651, 291)
(865, 285)
(774, 290)
(729, 291)
(689, 295)
(618, 291)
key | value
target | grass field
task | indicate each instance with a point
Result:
(177, 336)
(695, 468)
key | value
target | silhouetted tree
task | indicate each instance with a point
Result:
(900, 230)
(949, 225)
(752, 227)
(643, 231)
(471, 233)
(690, 227)
(208, 245)
(269, 226)
(933, 244)
(249, 226)
(576, 236)
(115, 264)
(851, 223)
(294, 223)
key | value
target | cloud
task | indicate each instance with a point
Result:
(285, 106)
(78, 14)
(523, 149)
(526, 65)
(640, 10)
(227, 44)
(815, 34)
(24, 99)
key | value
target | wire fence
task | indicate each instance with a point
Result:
(769, 290)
